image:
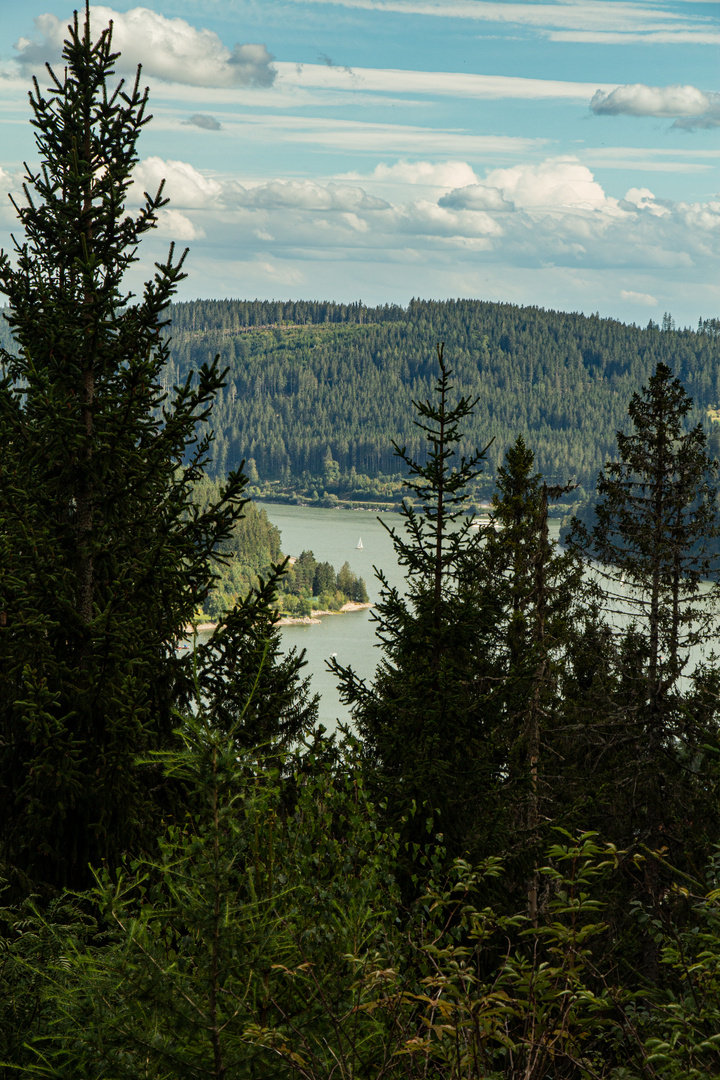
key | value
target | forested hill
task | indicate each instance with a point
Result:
(307, 376)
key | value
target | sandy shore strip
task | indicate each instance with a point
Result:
(288, 620)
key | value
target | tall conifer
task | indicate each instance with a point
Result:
(653, 536)
(426, 721)
(103, 557)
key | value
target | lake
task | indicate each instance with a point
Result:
(333, 536)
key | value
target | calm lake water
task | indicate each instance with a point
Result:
(333, 536)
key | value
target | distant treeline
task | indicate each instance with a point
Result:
(321, 389)
(201, 315)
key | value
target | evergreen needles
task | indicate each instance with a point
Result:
(104, 558)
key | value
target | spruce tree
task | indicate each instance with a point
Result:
(427, 720)
(653, 532)
(104, 558)
(541, 590)
(653, 536)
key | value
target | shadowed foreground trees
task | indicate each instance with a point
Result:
(293, 914)
(652, 530)
(428, 720)
(103, 557)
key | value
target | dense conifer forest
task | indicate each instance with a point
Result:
(510, 870)
(322, 389)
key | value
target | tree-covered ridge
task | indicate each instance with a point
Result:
(306, 378)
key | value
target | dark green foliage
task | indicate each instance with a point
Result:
(348, 584)
(266, 934)
(539, 593)
(239, 951)
(272, 919)
(308, 580)
(104, 557)
(324, 580)
(647, 751)
(247, 685)
(249, 552)
(426, 725)
(655, 519)
(305, 377)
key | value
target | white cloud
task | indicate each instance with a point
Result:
(184, 185)
(639, 297)
(571, 20)
(306, 195)
(648, 159)
(644, 199)
(453, 83)
(476, 197)
(443, 174)
(553, 184)
(8, 181)
(638, 99)
(648, 37)
(169, 49)
(425, 218)
(176, 226)
(552, 213)
(376, 138)
(11, 183)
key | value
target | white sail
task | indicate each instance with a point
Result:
(359, 544)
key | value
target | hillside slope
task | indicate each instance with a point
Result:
(305, 377)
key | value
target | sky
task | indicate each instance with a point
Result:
(562, 153)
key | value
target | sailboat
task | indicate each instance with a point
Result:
(359, 545)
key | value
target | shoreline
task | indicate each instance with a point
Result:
(289, 620)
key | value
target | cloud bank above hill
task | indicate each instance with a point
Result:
(549, 213)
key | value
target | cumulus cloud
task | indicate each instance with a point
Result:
(8, 181)
(307, 195)
(644, 199)
(426, 218)
(206, 123)
(476, 197)
(433, 174)
(548, 214)
(178, 226)
(639, 298)
(549, 185)
(169, 49)
(184, 185)
(638, 99)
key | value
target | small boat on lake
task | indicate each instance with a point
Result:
(359, 545)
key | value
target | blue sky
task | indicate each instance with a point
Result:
(564, 153)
